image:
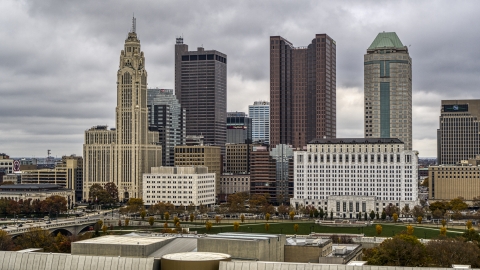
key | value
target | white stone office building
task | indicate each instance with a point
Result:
(348, 176)
(179, 186)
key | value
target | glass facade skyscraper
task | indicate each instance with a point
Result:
(388, 89)
(166, 115)
(259, 112)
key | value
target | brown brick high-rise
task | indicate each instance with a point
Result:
(302, 91)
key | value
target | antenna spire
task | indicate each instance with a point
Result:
(134, 24)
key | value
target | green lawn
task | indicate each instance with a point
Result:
(305, 228)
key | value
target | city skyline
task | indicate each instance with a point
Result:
(57, 87)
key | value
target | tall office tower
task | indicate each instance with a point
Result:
(271, 172)
(302, 91)
(201, 88)
(458, 136)
(124, 154)
(259, 112)
(166, 116)
(388, 89)
(239, 128)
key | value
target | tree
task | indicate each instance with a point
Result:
(377, 216)
(437, 213)
(127, 221)
(457, 204)
(268, 209)
(94, 192)
(476, 201)
(321, 213)
(267, 217)
(282, 210)
(62, 243)
(36, 238)
(400, 250)
(410, 229)
(166, 215)
(112, 190)
(295, 228)
(267, 226)
(406, 211)
(292, 215)
(7, 183)
(444, 222)
(365, 216)
(378, 229)
(217, 219)
(165, 225)
(257, 201)
(441, 205)
(208, 226)
(445, 252)
(471, 235)
(443, 231)
(419, 220)
(390, 210)
(176, 220)
(13, 207)
(331, 214)
(425, 182)
(418, 211)
(384, 215)
(104, 229)
(135, 205)
(469, 224)
(236, 202)
(6, 242)
(54, 204)
(242, 218)
(143, 214)
(395, 217)
(151, 221)
(192, 217)
(372, 215)
(236, 225)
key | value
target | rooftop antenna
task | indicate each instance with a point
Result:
(134, 24)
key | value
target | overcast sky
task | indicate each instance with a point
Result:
(58, 59)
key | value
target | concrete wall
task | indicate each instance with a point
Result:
(124, 250)
(306, 254)
(271, 249)
(44, 261)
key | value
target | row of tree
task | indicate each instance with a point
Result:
(405, 249)
(107, 194)
(52, 204)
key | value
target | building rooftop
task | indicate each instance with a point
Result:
(30, 187)
(197, 256)
(124, 240)
(356, 141)
(386, 40)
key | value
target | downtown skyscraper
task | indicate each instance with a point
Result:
(388, 89)
(302, 91)
(201, 88)
(124, 154)
(260, 114)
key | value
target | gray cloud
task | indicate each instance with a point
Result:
(58, 59)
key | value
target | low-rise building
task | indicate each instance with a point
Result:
(180, 186)
(307, 250)
(362, 173)
(447, 182)
(36, 192)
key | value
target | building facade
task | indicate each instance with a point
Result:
(180, 186)
(36, 192)
(167, 117)
(359, 170)
(259, 112)
(233, 183)
(6, 166)
(302, 91)
(201, 88)
(458, 136)
(447, 182)
(237, 158)
(388, 90)
(125, 156)
(239, 128)
(201, 155)
(271, 172)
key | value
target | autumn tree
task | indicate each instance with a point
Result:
(236, 225)
(390, 210)
(151, 221)
(6, 242)
(469, 224)
(395, 217)
(36, 238)
(457, 204)
(94, 192)
(400, 250)
(418, 211)
(257, 201)
(192, 217)
(406, 211)
(440, 205)
(445, 252)
(104, 229)
(208, 226)
(112, 191)
(292, 215)
(143, 214)
(267, 226)
(410, 229)
(267, 217)
(372, 215)
(176, 220)
(443, 231)
(444, 222)
(135, 205)
(54, 204)
(295, 228)
(437, 213)
(236, 202)
(242, 217)
(419, 220)
(378, 229)
(217, 219)
(283, 210)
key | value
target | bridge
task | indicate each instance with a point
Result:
(68, 227)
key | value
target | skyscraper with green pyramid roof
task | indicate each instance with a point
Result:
(388, 89)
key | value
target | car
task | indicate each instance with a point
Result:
(20, 225)
(4, 226)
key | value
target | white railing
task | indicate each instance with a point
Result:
(50, 226)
